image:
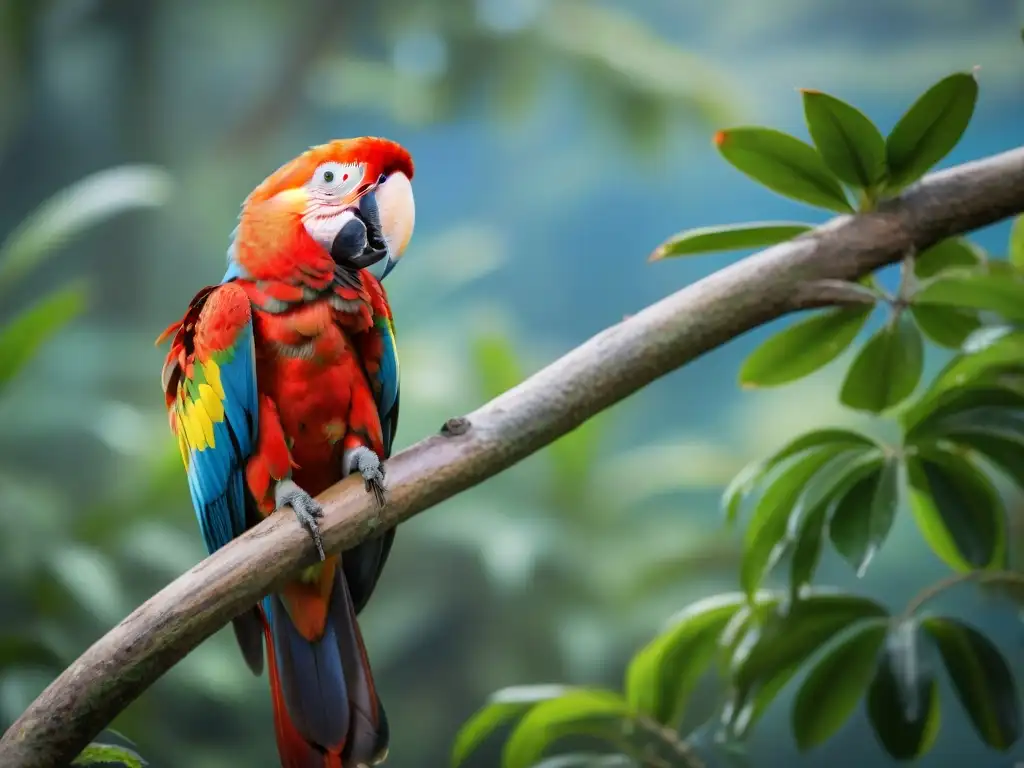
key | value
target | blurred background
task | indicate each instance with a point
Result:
(556, 144)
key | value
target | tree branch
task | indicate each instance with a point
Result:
(609, 367)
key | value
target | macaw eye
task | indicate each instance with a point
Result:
(338, 178)
(381, 179)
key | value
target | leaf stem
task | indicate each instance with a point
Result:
(931, 592)
(905, 289)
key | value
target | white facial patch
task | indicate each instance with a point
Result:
(325, 227)
(336, 180)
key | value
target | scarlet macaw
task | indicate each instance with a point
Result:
(280, 381)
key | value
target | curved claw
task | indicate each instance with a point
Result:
(368, 464)
(306, 508)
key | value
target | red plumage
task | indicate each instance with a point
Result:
(319, 400)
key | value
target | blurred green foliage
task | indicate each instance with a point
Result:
(53, 590)
(104, 755)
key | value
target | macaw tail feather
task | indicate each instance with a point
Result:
(326, 710)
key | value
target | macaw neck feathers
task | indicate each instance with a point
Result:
(346, 292)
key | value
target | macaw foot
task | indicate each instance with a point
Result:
(306, 508)
(366, 463)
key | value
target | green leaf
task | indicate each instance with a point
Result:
(475, 731)
(803, 347)
(750, 617)
(982, 679)
(1001, 268)
(817, 438)
(946, 326)
(930, 128)
(806, 525)
(22, 337)
(784, 164)
(768, 656)
(957, 509)
(986, 337)
(993, 293)
(497, 365)
(764, 542)
(1016, 250)
(744, 482)
(835, 686)
(887, 369)
(730, 237)
(583, 712)
(98, 755)
(1003, 452)
(663, 674)
(1000, 419)
(951, 253)
(739, 488)
(863, 514)
(71, 211)
(848, 141)
(992, 346)
(903, 698)
(963, 391)
(807, 550)
(983, 364)
(503, 706)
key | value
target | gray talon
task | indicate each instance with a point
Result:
(306, 508)
(366, 463)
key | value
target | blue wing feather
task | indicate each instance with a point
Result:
(216, 468)
(363, 564)
(387, 376)
(210, 382)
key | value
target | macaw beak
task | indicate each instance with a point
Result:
(359, 244)
(391, 208)
(374, 231)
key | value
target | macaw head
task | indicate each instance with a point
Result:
(350, 198)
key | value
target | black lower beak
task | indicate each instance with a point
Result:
(359, 244)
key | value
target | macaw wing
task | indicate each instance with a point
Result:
(387, 384)
(364, 563)
(210, 385)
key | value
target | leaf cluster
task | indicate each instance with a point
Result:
(840, 489)
(848, 167)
